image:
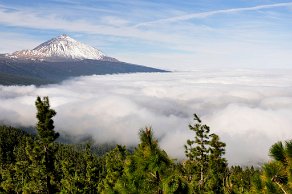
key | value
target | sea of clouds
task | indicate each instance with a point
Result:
(249, 109)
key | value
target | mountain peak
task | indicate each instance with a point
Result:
(63, 36)
(62, 48)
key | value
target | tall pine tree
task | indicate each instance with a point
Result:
(147, 168)
(197, 150)
(217, 165)
(46, 137)
(205, 165)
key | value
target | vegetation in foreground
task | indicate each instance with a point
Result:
(38, 164)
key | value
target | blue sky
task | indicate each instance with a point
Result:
(170, 34)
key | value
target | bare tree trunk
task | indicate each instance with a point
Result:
(48, 179)
(281, 187)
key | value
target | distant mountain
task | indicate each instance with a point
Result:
(58, 59)
(61, 48)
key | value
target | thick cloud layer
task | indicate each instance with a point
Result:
(250, 110)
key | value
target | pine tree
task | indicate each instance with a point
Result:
(91, 175)
(205, 167)
(114, 165)
(197, 151)
(45, 147)
(217, 165)
(73, 170)
(45, 125)
(175, 183)
(277, 174)
(14, 161)
(146, 169)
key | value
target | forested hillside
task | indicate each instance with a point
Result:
(40, 164)
(27, 72)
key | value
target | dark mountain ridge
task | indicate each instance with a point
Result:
(27, 72)
(59, 59)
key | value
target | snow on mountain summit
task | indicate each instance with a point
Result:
(62, 48)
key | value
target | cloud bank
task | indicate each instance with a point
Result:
(250, 110)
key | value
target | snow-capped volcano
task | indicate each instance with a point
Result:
(61, 48)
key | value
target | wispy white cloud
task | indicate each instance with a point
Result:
(220, 54)
(11, 41)
(211, 13)
(38, 20)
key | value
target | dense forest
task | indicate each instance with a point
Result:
(37, 163)
(26, 72)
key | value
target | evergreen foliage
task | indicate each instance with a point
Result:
(206, 165)
(45, 125)
(146, 169)
(39, 164)
(277, 174)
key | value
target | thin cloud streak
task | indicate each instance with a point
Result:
(36, 20)
(211, 13)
